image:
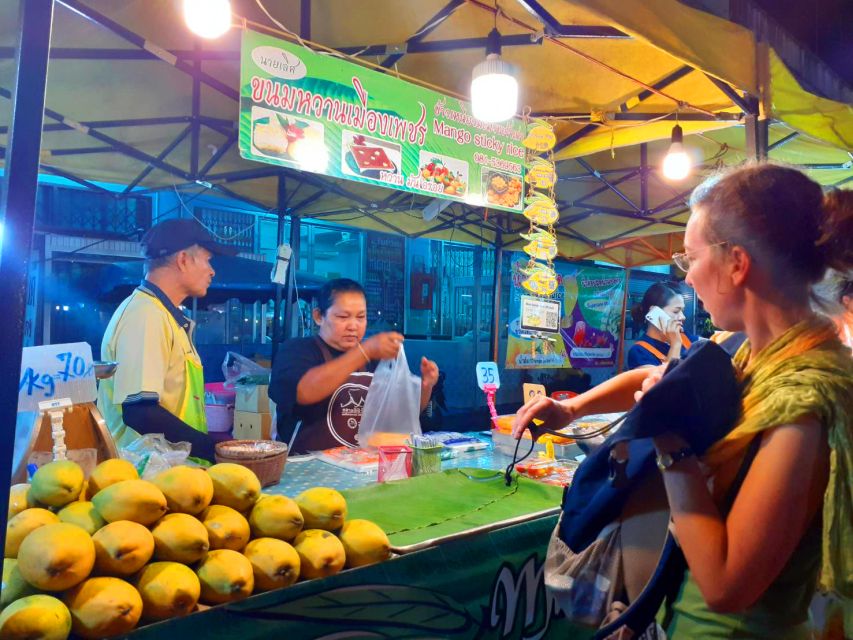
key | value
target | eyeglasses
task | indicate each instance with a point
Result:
(682, 260)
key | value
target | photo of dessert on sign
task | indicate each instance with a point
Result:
(285, 137)
(451, 174)
(502, 189)
(366, 157)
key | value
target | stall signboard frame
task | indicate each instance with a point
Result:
(590, 319)
(324, 114)
(51, 372)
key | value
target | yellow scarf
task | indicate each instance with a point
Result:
(806, 371)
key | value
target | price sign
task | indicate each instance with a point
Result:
(487, 373)
(56, 371)
(532, 391)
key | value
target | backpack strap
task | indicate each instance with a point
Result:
(657, 354)
(728, 502)
(665, 582)
(751, 452)
(685, 341)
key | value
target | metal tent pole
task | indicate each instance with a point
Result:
(494, 347)
(476, 300)
(18, 213)
(295, 225)
(620, 366)
(281, 206)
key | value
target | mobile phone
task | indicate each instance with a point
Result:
(658, 318)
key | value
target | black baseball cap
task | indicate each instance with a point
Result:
(175, 234)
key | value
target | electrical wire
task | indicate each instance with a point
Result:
(128, 236)
(212, 232)
(596, 61)
(582, 436)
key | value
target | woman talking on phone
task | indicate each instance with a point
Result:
(662, 312)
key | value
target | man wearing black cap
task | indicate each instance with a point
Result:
(158, 386)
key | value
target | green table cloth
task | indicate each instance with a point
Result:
(416, 509)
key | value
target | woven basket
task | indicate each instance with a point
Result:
(266, 458)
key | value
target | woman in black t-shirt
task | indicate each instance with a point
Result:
(319, 384)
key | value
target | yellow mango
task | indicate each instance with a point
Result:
(122, 548)
(83, 514)
(187, 489)
(321, 554)
(276, 517)
(234, 486)
(14, 586)
(135, 500)
(56, 557)
(35, 617)
(23, 525)
(364, 543)
(18, 499)
(110, 472)
(275, 563)
(178, 537)
(225, 576)
(168, 590)
(226, 528)
(57, 483)
(103, 607)
(322, 508)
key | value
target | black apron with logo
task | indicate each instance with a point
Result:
(339, 423)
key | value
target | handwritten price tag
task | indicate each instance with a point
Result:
(56, 371)
(487, 373)
(532, 391)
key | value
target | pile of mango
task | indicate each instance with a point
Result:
(96, 557)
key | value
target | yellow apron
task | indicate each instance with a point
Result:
(191, 407)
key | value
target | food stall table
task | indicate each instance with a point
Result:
(461, 579)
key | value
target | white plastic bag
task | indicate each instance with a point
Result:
(239, 369)
(152, 453)
(392, 405)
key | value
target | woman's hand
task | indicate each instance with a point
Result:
(651, 380)
(553, 414)
(383, 346)
(673, 331)
(429, 374)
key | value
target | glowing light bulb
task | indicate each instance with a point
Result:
(676, 164)
(494, 85)
(208, 18)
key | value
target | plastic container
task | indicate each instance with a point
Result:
(395, 463)
(556, 472)
(426, 460)
(220, 417)
(219, 393)
(505, 443)
(266, 458)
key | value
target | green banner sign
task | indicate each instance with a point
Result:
(326, 115)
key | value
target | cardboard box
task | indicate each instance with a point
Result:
(250, 425)
(254, 399)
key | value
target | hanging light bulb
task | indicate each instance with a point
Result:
(208, 18)
(494, 87)
(676, 164)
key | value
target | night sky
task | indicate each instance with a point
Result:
(823, 26)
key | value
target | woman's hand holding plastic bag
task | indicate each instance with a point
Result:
(392, 405)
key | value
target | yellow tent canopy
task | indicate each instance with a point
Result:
(134, 99)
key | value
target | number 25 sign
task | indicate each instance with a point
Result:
(56, 371)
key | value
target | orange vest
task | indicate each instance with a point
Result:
(656, 353)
